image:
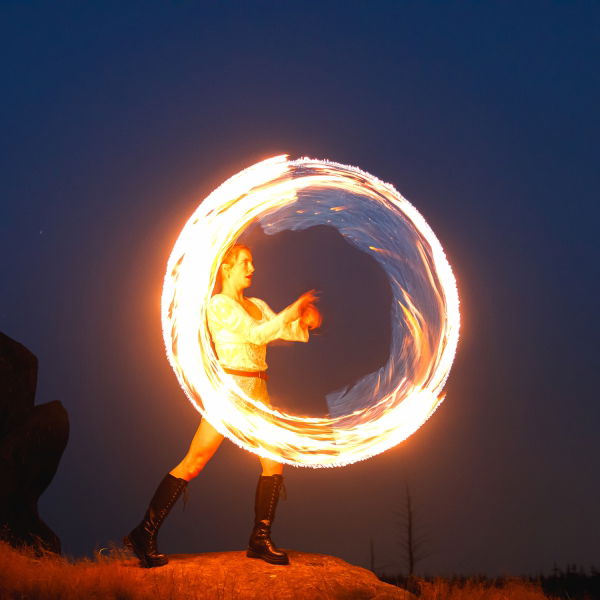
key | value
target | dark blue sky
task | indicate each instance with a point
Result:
(118, 119)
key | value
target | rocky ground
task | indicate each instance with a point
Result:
(113, 574)
(230, 575)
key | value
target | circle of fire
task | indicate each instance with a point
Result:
(382, 409)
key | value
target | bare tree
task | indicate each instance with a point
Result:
(412, 541)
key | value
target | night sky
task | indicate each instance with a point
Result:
(118, 119)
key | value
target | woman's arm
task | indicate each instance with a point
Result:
(294, 331)
(225, 313)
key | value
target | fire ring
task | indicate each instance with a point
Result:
(383, 408)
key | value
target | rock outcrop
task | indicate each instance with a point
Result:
(230, 575)
(32, 441)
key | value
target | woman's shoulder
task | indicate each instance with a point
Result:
(221, 302)
(222, 310)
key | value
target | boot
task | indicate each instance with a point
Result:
(260, 544)
(142, 540)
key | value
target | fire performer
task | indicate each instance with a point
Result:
(241, 328)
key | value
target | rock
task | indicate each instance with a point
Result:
(32, 441)
(18, 380)
(230, 575)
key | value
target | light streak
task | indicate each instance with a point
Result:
(385, 407)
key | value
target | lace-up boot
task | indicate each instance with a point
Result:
(260, 544)
(142, 540)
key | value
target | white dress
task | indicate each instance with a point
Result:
(240, 340)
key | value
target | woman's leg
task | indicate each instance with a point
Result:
(204, 444)
(267, 490)
(269, 484)
(142, 539)
(260, 544)
(270, 467)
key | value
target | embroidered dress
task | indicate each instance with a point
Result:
(241, 340)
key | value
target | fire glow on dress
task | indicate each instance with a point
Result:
(381, 409)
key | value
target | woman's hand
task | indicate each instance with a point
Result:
(311, 317)
(295, 311)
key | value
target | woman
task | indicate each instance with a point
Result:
(241, 328)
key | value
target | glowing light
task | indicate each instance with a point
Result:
(383, 408)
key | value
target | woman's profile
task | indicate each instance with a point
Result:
(240, 328)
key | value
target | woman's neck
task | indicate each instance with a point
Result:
(237, 295)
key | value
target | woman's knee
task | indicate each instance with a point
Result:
(205, 443)
(271, 467)
(194, 464)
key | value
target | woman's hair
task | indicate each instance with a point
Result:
(232, 254)
(229, 258)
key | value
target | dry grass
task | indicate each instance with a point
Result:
(25, 576)
(511, 589)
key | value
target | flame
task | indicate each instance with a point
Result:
(216, 224)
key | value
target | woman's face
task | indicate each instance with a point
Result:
(239, 273)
